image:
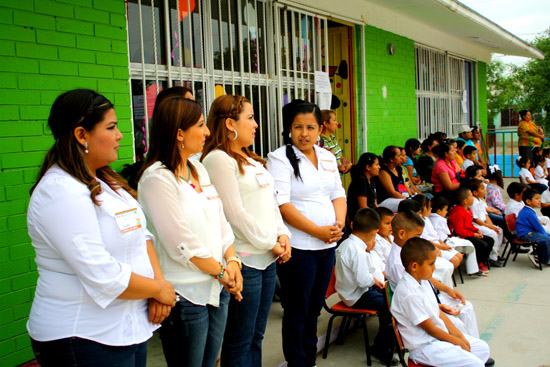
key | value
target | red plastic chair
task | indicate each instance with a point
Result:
(340, 309)
(516, 243)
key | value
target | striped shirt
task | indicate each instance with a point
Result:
(332, 144)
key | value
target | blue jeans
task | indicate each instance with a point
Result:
(247, 319)
(373, 299)
(498, 220)
(192, 334)
(78, 352)
(543, 242)
(304, 282)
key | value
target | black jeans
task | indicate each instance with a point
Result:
(373, 299)
(483, 248)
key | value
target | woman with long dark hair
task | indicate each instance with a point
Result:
(312, 201)
(390, 186)
(362, 189)
(94, 255)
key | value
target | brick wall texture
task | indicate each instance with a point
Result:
(482, 93)
(46, 47)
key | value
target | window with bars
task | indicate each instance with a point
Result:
(259, 49)
(443, 91)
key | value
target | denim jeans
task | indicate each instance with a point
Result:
(543, 243)
(192, 334)
(78, 352)
(247, 319)
(304, 282)
(373, 299)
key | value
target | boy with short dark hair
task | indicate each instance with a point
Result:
(515, 204)
(360, 278)
(426, 331)
(384, 237)
(528, 228)
(469, 157)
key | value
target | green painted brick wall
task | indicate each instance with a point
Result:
(46, 47)
(390, 120)
(482, 93)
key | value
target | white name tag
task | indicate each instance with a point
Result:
(262, 181)
(328, 165)
(210, 192)
(128, 220)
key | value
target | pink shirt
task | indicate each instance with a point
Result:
(442, 166)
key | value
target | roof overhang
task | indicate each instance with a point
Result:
(444, 24)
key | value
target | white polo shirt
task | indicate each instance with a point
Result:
(513, 207)
(383, 247)
(394, 266)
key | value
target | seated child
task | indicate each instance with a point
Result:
(528, 228)
(384, 238)
(360, 277)
(482, 221)
(515, 204)
(469, 156)
(541, 174)
(443, 268)
(430, 234)
(461, 224)
(440, 205)
(526, 177)
(426, 331)
(546, 155)
(406, 225)
(493, 197)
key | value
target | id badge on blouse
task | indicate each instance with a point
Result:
(262, 181)
(328, 165)
(128, 220)
(210, 192)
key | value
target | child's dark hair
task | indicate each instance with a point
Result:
(439, 203)
(522, 161)
(290, 111)
(515, 188)
(422, 200)
(536, 151)
(416, 250)
(384, 212)
(407, 220)
(366, 159)
(537, 159)
(409, 204)
(462, 194)
(468, 150)
(474, 184)
(472, 171)
(460, 144)
(365, 220)
(529, 194)
(494, 173)
(546, 152)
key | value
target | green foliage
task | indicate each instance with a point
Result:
(504, 90)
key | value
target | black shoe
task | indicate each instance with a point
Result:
(490, 362)
(496, 264)
(500, 258)
(521, 250)
(384, 356)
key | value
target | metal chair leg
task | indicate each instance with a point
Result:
(366, 337)
(327, 340)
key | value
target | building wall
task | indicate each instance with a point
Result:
(482, 93)
(46, 47)
(391, 119)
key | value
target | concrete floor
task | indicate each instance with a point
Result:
(513, 312)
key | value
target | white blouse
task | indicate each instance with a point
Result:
(85, 255)
(313, 196)
(186, 224)
(524, 173)
(249, 205)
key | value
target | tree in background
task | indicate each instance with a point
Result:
(504, 91)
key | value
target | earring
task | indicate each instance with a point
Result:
(182, 146)
(290, 135)
(236, 135)
(86, 147)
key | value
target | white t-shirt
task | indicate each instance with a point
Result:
(467, 163)
(429, 233)
(513, 207)
(249, 205)
(312, 195)
(85, 255)
(383, 247)
(187, 224)
(394, 267)
(356, 269)
(540, 175)
(545, 197)
(479, 209)
(440, 225)
(524, 173)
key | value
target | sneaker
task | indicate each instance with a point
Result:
(496, 264)
(483, 268)
(533, 257)
(478, 274)
(490, 362)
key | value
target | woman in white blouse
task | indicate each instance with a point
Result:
(96, 261)
(194, 240)
(312, 201)
(246, 189)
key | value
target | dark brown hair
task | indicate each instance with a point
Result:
(171, 114)
(223, 108)
(78, 108)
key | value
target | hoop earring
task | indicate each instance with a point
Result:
(86, 147)
(236, 135)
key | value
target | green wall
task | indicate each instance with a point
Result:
(482, 93)
(46, 48)
(390, 120)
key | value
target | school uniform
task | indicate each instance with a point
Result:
(383, 247)
(467, 163)
(413, 303)
(479, 211)
(524, 173)
(540, 175)
(443, 267)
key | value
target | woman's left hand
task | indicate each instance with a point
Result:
(235, 280)
(284, 241)
(158, 311)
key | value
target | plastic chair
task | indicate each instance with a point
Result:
(517, 244)
(340, 309)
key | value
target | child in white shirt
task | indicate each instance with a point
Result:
(440, 206)
(360, 278)
(526, 177)
(470, 154)
(515, 204)
(427, 332)
(384, 238)
(541, 174)
(482, 221)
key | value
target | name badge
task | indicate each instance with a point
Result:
(128, 220)
(262, 181)
(328, 165)
(210, 192)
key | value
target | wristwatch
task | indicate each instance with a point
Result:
(236, 259)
